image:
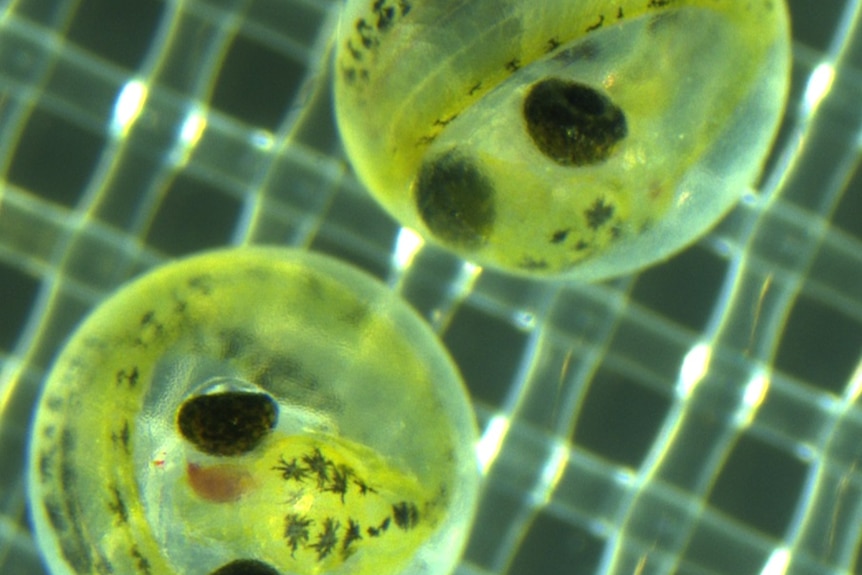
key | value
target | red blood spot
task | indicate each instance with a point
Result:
(219, 483)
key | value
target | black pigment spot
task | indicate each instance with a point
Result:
(67, 440)
(202, 283)
(597, 25)
(598, 214)
(77, 555)
(276, 369)
(245, 567)
(573, 124)
(296, 531)
(291, 470)
(128, 377)
(319, 465)
(377, 531)
(68, 475)
(227, 423)
(658, 3)
(326, 539)
(405, 515)
(559, 236)
(55, 403)
(55, 515)
(122, 437)
(353, 534)
(234, 342)
(142, 562)
(118, 505)
(583, 51)
(455, 200)
(45, 466)
(533, 264)
(338, 482)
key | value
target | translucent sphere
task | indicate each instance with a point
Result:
(560, 138)
(253, 411)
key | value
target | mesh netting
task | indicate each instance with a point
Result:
(697, 418)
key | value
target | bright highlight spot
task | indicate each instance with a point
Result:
(694, 367)
(262, 140)
(190, 134)
(806, 452)
(625, 477)
(491, 441)
(466, 279)
(192, 129)
(854, 388)
(752, 397)
(778, 562)
(552, 471)
(128, 107)
(525, 320)
(407, 246)
(819, 84)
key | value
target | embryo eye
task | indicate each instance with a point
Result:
(455, 200)
(573, 124)
(227, 423)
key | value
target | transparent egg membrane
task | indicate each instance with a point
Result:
(563, 139)
(268, 410)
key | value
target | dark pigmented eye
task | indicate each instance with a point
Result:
(227, 423)
(246, 567)
(455, 200)
(573, 124)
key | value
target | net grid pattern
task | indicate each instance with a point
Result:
(700, 417)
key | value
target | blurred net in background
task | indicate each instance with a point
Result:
(698, 418)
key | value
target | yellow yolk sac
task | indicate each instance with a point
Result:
(338, 499)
